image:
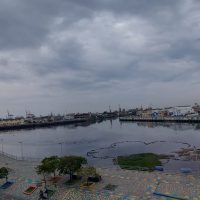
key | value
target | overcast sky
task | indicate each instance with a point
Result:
(84, 55)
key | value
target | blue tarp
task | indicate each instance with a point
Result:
(6, 185)
(158, 168)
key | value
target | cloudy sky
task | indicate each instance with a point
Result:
(84, 55)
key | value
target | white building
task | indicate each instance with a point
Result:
(181, 110)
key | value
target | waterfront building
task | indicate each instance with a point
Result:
(196, 108)
(181, 111)
(146, 113)
(69, 116)
(152, 113)
(177, 111)
(12, 122)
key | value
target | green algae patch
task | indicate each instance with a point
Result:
(142, 161)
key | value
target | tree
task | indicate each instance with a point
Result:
(71, 164)
(86, 172)
(43, 170)
(51, 164)
(4, 173)
(48, 165)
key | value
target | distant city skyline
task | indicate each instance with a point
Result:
(9, 114)
(82, 56)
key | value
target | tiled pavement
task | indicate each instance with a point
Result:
(8, 197)
(73, 194)
(139, 186)
(131, 185)
(186, 186)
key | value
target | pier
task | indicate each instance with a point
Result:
(173, 120)
(42, 124)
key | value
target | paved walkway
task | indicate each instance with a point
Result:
(8, 197)
(131, 185)
(73, 194)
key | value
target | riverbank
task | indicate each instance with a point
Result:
(129, 184)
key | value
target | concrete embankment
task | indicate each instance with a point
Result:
(132, 119)
(43, 124)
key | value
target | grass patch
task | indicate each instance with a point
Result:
(110, 187)
(143, 161)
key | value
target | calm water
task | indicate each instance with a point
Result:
(106, 140)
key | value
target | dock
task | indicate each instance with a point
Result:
(42, 124)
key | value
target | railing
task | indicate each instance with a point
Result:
(19, 158)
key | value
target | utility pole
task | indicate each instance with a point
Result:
(21, 143)
(61, 152)
(2, 145)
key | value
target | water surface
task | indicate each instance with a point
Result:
(107, 139)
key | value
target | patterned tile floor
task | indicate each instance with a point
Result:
(185, 186)
(74, 194)
(131, 185)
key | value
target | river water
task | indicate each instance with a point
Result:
(101, 142)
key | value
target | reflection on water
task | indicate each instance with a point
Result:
(109, 138)
(174, 126)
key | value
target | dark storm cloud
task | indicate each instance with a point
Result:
(87, 50)
(141, 7)
(27, 23)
